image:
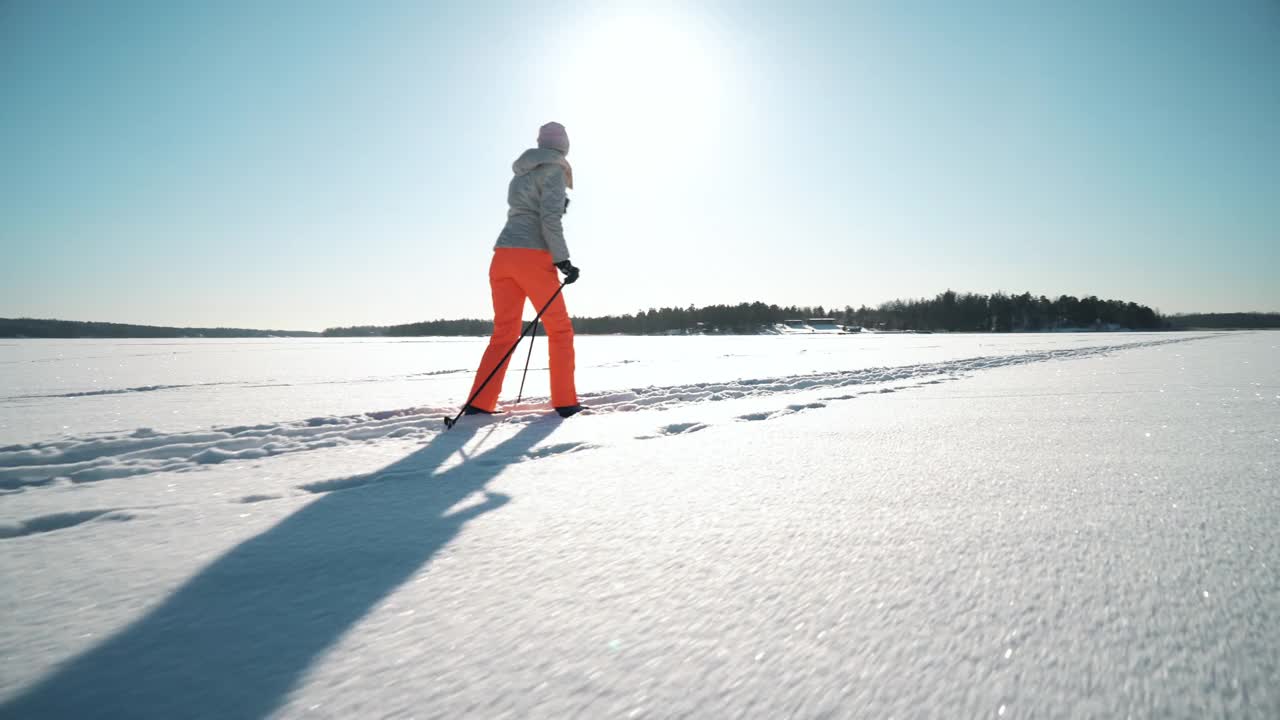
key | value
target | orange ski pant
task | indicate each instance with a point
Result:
(516, 275)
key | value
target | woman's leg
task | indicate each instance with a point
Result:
(538, 278)
(508, 305)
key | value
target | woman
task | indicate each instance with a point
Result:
(525, 258)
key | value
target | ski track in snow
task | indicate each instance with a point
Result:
(154, 388)
(102, 457)
(254, 384)
(114, 391)
(59, 521)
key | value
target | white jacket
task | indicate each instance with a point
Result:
(536, 198)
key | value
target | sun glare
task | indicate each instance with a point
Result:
(638, 76)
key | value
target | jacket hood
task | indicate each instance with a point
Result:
(534, 158)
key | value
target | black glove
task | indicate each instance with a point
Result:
(570, 272)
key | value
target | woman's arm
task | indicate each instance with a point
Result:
(550, 210)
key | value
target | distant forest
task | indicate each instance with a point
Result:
(948, 311)
(1225, 321)
(31, 328)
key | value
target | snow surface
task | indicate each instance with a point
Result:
(828, 526)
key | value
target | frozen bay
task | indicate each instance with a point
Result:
(910, 525)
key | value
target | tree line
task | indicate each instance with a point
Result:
(1000, 312)
(948, 311)
(1225, 321)
(39, 328)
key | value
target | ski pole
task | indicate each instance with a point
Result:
(450, 422)
(532, 339)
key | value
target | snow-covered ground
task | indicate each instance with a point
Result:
(829, 526)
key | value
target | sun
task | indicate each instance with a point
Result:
(641, 77)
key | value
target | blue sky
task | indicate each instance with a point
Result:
(303, 165)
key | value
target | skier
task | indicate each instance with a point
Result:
(529, 251)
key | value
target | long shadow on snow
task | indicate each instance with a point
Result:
(233, 640)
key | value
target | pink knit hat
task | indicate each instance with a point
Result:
(553, 135)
